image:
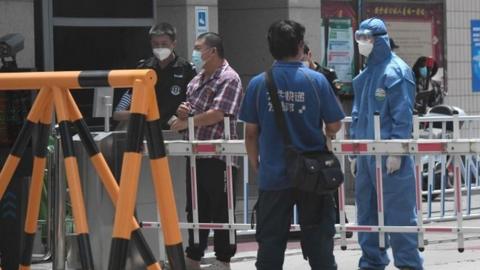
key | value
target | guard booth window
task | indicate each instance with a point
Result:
(99, 35)
(98, 48)
(103, 8)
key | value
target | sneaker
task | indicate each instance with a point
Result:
(192, 264)
(218, 265)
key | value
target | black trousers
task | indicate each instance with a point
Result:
(212, 207)
(274, 210)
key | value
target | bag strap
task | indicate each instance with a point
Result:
(277, 108)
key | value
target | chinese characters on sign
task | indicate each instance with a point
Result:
(340, 48)
(399, 11)
(289, 100)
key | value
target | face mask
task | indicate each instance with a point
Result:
(423, 72)
(306, 63)
(365, 48)
(197, 60)
(162, 53)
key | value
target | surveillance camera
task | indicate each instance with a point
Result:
(10, 45)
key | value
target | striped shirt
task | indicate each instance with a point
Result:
(125, 102)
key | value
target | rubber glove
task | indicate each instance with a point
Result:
(393, 164)
(353, 166)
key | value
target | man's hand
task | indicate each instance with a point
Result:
(183, 110)
(179, 124)
(393, 164)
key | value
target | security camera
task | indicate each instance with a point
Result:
(10, 45)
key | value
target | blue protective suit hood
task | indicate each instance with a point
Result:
(381, 47)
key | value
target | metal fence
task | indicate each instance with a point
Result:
(446, 157)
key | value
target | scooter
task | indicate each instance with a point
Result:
(430, 103)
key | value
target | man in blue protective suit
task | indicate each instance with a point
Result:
(386, 86)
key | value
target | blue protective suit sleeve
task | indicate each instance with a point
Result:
(400, 104)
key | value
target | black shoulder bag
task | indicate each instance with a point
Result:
(317, 172)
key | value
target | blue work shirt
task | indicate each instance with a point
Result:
(307, 100)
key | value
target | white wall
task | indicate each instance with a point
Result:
(458, 46)
(16, 16)
(181, 14)
(459, 73)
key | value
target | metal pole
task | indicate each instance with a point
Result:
(229, 182)
(47, 22)
(379, 183)
(431, 168)
(444, 175)
(58, 189)
(341, 197)
(418, 185)
(457, 183)
(193, 182)
(107, 101)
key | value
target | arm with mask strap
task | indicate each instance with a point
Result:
(400, 103)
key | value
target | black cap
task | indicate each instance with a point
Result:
(393, 45)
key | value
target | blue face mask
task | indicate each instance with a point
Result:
(423, 72)
(197, 60)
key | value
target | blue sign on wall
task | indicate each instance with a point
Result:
(201, 20)
(475, 30)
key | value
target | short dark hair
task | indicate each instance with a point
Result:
(213, 40)
(306, 49)
(284, 36)
(163, 29)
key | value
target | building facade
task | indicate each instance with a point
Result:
(108, 34)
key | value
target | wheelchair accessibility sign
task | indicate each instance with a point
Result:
(201, 20)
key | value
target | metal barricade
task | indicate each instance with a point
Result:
(453, 146)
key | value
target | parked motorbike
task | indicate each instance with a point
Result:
(429, 100)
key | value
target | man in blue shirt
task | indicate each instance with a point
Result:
(308, 102)
(386, 86)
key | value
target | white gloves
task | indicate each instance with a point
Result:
(393, 164)
(353, 166)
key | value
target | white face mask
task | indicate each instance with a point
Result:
(365, 48)
(306, 63)
(162, 53)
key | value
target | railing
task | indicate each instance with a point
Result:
(418, 147)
